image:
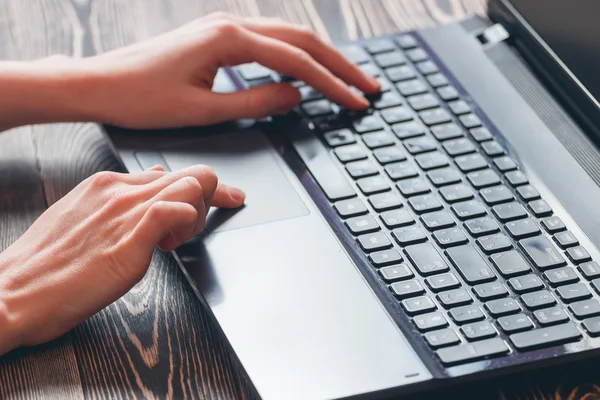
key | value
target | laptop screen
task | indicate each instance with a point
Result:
(571, 28)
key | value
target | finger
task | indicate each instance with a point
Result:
(157, 167)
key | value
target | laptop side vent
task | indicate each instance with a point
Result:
(549, 111)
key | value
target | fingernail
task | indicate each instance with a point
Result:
(237, 194)
(375, 82)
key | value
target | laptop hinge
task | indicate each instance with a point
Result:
(492, 35)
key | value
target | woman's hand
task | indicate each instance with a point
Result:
(96, 243)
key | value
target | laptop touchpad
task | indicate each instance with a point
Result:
(246, 160)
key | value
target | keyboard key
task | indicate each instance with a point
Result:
(480, 179)
(509, 211)
(379, 46)
(389, 59)
(561, 276)
(441, 282)
(432, 160)
(446, 131)
(494, 243)
(370, 69)
(400, 73)
(362, 169)
(405, 130)
(471, 162)
(420, 145)
(574, 292)
(354, 53)
(523, 228)
(482, 226)
(470, 120)
(350, 208)
(362, 224)
(470, 352)
(445, 176)
(349, 153)
(550, 316)
(396, 273)
(317, 107)
(435, 116)
(411, 87)
(426, 259)
(406, 289)
(442, 338)
(409, 235)
(253, 71)
(412, 187)
(542, 252)
(455, 193)
(368, 123)
(490, 290)
(396, 114)
(418, 305)
(468, 209)
(470, 264)
(437, 220)
(427, 67)
(545, 337)
(454, 298)
(386, 100)
(516, 178)
(377, 139)
(457, 147)
(447, 93)
(389, 154)
(425, 203)
(450, 237)
(373, 184)
(339, 137)
(500, 307)
(592, 326)
(422, 101)
(430, 322)
(416, 55)
(385, 201)
(481, 134)
(385, 257)
(459, 107)
(539, 299)
(396, 218)
(496, 195)
(505, 163)
(540, 208)
(478, 331)
(585, 309)
(493, 148)
(590, 270)
(524, 284)
(510, 264)
(578, 255)
(437, 80)
(515, 323)
(374, 241)
(309, 93)
(553, 224)
(465, 314)
(566, 239)
(528, 193)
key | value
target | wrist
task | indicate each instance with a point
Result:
(9, 331)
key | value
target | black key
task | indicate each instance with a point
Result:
(481, 134)
(442, 282)
(589, 270)
(524, 284)
(354, 54)
(542, 252)
(454, 298)
(379, 46)
(409, 235)
(528, 193)
(377, 139)
(496, 195)
(442, 338)
(446, 131)
(490, 290)
(425, 203)
(578, 255)
(373, 184)
(368, 123)
(459, 107)
(553, 224)
(478, 330)
(389, 59)
(405, 130)
(435, 116)
(539, 299)
(470, 352)
(362, 169)
(509, 211)
(362, 224)
(253, 71)
(410, 87)
(430, 322)
(465, 314)
(396, 114)
(395, 218)
(493, 148)
(481, 179)
(457, 147)
(505, 163)
(523, 228)
(592, 326)
(566, 239)
(406, 41)
(510, 264)
(420, 145)
(396, 273)
(445, 176)
(561, 276)
(470, 264)
(540, 208)
(500, 307)
(450, 237)
(447, 93)
(515, 323)
(426, 259)
(437, 80)
(412, 187)
(585, 309)
(418, 305)
(422, 101)
(370, 69)
(406, 289)
(400, 73)
(550, 316)
(374, 241)
(482, 226)
(317, 107)
(574, 292)
(470, 120)
(339, 137)
(389, 154)
(387, 99)
(545, 337)
(385, 257)
(350, 208)
(417, 55)
(437, 220)
(432, 160)
(456, 193)
(494, 243)
(516, 178)
(350, 152)
(471, 162)
(427, 67)
(468, 209)
(385, 201)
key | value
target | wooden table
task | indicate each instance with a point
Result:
(157, 341)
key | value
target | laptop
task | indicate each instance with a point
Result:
(448, 234)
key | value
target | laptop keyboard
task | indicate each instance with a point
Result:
(455, 231)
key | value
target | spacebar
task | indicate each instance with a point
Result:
(544, 337)
(320, 164)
